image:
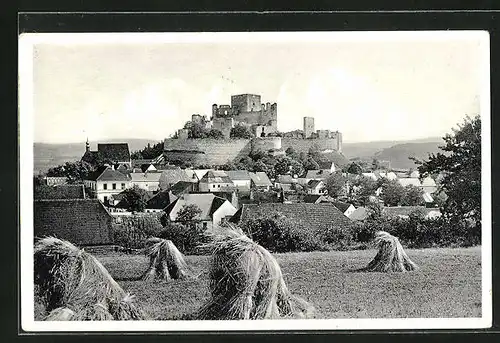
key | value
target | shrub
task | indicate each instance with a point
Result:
(133, 231)
(188, 238)
(278, 234)
(339, 238)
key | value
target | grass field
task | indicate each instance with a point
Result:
(447, 285)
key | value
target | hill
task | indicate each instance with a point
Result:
(399, 154)
(366, 150)
(47, 155)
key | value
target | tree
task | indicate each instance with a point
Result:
(215, 134)
(241, 131)
(314, 152)
(135, 199)
(310, 164)
(460, 165)
(392, 193)
(354, 168)
(335, 184)
(360, 189)
(76, 172)
(149, 152)
(290, 152)
(188, 214)
(286, 165)
(413, 196)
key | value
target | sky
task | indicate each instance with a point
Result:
(369, 90)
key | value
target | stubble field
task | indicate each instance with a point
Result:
(447, 285)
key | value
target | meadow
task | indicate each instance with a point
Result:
(448, 284)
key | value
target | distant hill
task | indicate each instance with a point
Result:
(366, 150)
(399, 154)
(47, 155)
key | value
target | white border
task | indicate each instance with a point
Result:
(26, 43)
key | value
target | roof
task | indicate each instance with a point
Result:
(326, 164)
(427, 197)
(314, 183)
(90, 156)
(428, 182)
(59, 192)
(109, 174)
(361, 213)
(342, 206)
(166, 167)
(161, 200)
(172, 176)
(150, 176)
(182, 187)
(213, 176)
(372, 176)
(205, 201)
(406, 210)
(318, 174)
(114, 151)
(316, 198)
(409, 181)
(312, 216)
(387, 175)
(260, 179)
(238, 175)
(285, 179)
(80, 221)
(200, 172)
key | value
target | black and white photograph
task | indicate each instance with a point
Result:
(185, 181)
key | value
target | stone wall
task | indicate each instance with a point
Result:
(303, 145)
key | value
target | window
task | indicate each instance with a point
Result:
(105, 200)
(205, 225)
(213, 186)
(123, 186)
(218, 186)
(105, 186)
(114, 185)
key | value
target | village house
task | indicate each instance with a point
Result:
(214, 209)
(405, 211)
(241, 179)
(346, 208)
(319, 174)
(170, 177)
(149, 181)
(313, 217)
(260, 181)
(160, 201)
(105, 182)
(216, 181)
(82, 222)
(116, 154)
(316, 187)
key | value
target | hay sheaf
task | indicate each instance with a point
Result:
(390, 257)
(166, 262)
(75, 285)
(246, 283)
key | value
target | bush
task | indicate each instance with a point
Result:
(188, 238)
(339, 238)
(132, 232)
(276, 233)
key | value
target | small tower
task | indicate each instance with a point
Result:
(87, 145)
(308, 126)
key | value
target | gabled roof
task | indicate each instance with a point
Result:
(406, 210)
(342, 206)
(182, 187)
(207, 202)
(90, 157)
(260, 179)
(216, 177)
(409, 181)
(285, 179)
(80, 221)
(60, 192)
(108, 174)
(313, 217)
(114, 151)
(200, 172)
(172, 176)
(150, 176)
(314, 183)
(312, 198)
(427, 197)
(318, 174)
(361, 213)
(161, 200)
(238, 175)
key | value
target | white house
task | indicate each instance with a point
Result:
(106, 182)
(241, 179)
(149, 181)
(216, 181)
(214, 209)
(345, 208)
(316, 187)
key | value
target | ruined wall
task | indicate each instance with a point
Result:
(303, 145)
(224, 125)
(246, 102)
(206, 151)
(266, 143)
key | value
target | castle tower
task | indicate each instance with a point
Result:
(308, 126)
